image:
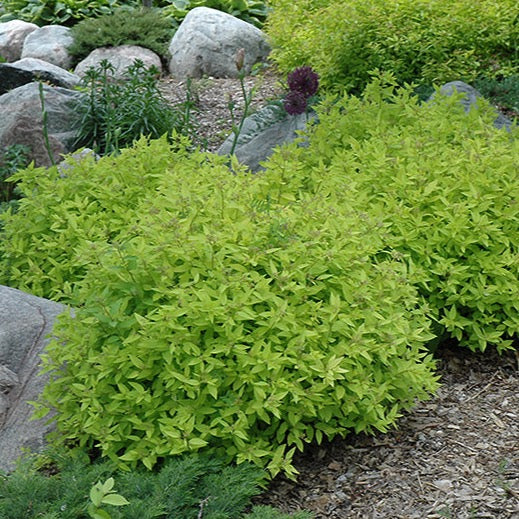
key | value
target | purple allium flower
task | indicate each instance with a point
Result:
(295, 103)
(303, 80)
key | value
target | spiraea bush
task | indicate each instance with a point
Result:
(90, 201)
(418, 40)
(214, 311)
(445, 185)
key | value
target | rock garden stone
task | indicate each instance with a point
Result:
(48, 72)
(120, 57)
(49, 43)
(12, 37)
(25, 322)
(22, 121)
(207, 41)
(13, 77)
(28, 70)
(262, 132)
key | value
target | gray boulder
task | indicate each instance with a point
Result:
(42, 70)
(261, 133)
(22, 121)
(13, 77)
(29, 70)
(49, 43)
(207, 41)
(12, 37)
(470, 99)
(120, 57)
(25, 322)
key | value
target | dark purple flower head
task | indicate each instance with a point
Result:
(303, 80)
(295, 103)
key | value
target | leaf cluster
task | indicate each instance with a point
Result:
(417, 40)
(251, 11)
(446, 186)
(148, 28)
(214, 311)
(180, 489)
(13, 158)
(61, 12)
(503, 92)
(113, 113)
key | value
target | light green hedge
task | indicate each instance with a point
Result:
(430, 41)
(444, 184)
(214, 310)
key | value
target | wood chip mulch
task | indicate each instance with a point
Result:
(455, 456)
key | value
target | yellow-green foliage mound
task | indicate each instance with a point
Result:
(214, 310)
(429, 41)
(445, 185)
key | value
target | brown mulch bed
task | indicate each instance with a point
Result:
(455, 456)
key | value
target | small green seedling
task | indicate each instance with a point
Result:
(103, 494)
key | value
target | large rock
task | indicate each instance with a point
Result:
(42, 70)
(261, 133)
(28, 70)
(207, 41)
(49, 43)
(470, 100)
(25, 322)
(22, 122)
(120, 57)
(13, 77)
(12, 37)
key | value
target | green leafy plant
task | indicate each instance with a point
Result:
(63, 12)
(147, 28)
(501, 92)
(214, 311)
(113, 113)
(252, 11)
(417, 40)
(104, 494)
(444, 183)
(13, 158)
(183, 488)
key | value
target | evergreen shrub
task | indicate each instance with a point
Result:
(148, 28)
(429, 41)
(214, 311)
(446, 186)
(181, 488)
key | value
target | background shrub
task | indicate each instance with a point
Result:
(102, 197)
(70, 12)
(445, 184)
(182, 488)
(13, 158)
(251, 11)
(417, 40)
(213, 310)
(147, 28)
(63, 12)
